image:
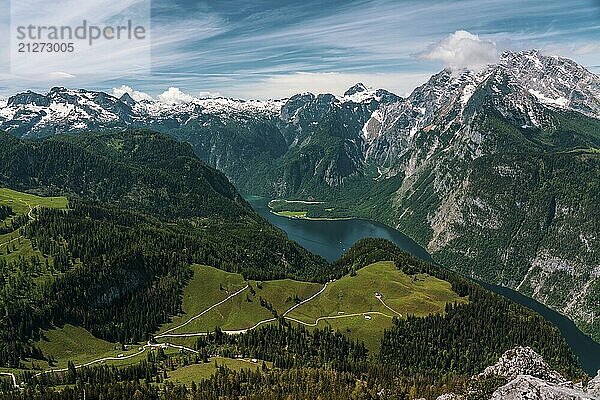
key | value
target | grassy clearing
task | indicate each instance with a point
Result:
(20, 202)
(281, 293)
(314, 210)
(13, 245)
(72, 343)
(181, 341)
(210, 285)
(207, 287)
(198, 372)
(245, 310)
(368, 331)
(292, 214)
(305, 215)
(418, 295)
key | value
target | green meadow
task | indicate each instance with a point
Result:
(350, 304)
(360, 305)
(418, 295)
(198, 372)
(20, 202)
(292, 214)
(12, 244)
(210, 286)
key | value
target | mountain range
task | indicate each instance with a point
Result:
(495, 172)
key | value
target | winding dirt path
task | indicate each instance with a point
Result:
(13, 377)
(313, 324)
(236, 331)
(11, 240)
(31, 219)
(195, 317)
(306, 301)
(380, 298)
(147, 346)
(168, 333)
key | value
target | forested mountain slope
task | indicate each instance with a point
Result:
(494, 171)
(141, 209)
(116, 261)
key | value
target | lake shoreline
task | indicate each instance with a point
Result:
(313, 218)
(331, 238)
(301, 214)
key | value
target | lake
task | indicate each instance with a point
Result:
(330, 239)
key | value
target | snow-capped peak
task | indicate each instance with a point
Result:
(536, 80)
(127, 99)
(359, 93)
(555, 81)
(358, 88)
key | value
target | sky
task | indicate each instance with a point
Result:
(274, 48)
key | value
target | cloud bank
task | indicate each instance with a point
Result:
(174, 95)
(253, 49)
(136, 95)
(462, 50)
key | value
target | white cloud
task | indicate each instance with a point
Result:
(202, 48)
(589, 48)
(60, 75)
(461, 50)
(171, 96)
(136, 95)
(174, 96)
(105, 59)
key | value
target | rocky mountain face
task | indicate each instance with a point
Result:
(496, 172)
(522, 374)
(500, 173)
(241, 138)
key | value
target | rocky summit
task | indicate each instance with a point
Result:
(527, 377)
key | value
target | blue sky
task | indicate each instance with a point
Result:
(268, 48)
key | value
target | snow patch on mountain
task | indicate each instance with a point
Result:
(560, 101)
(391, 126)
(372, 127)
(359, 93)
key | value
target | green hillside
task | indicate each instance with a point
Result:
(352, 304)
(141, 209)
(210, 286)
(21, 202)
(349, 304)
